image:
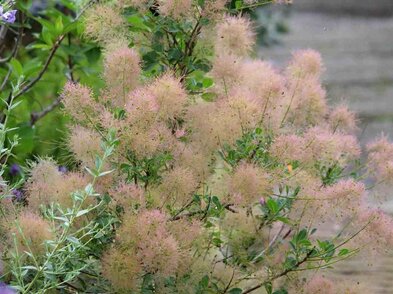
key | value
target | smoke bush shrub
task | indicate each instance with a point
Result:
(245, 182)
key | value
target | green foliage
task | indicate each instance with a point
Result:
(67, 255)
(48, 50)
(253, 147)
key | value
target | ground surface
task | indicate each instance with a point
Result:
(358, 55)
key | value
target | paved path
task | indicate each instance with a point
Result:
(358, 55)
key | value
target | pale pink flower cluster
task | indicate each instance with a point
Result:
(344, 189)
(288, 148)
(105, 24)
(153, 243)
(47, 185)
(128, 196)
(121, 74)
(342, 200)
(305, 97)
(235, 36)
(248, 183)
(376, 229)
(170, 96)
(317, 144)
(79, 103)
(380, 158)
(175, 8)
(151, 114)
(326, 146)
(147, 235)
(305, 63)
(177, 186)
(35, 230)
(294, 99)
(342, 119)
(85, 145)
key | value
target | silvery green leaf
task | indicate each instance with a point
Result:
(82, 212)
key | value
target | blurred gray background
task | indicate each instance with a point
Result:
(355, 38)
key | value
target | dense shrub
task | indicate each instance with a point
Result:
(196, 168)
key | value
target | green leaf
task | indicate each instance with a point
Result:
(301, 235)
(272, 205)
(82, 212)
(268, 287)
(137, 23)
(235, 291)
(106, 173)
(207, 82)
(174, 54)
(59, 25)
(343, 252)
(204, 283)
(281, 291)
(73, 240)
(47, 37)
(284, 220)
(209, 97)
(17, 67)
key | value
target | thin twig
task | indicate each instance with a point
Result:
(52, 52)
(35, 116)
(279, 275)
(27, 87)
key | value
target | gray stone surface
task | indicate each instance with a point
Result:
(355, 7)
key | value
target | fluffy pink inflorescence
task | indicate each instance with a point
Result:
(85, 144)
(345, 189)
(104, 23)
(178, 186)
(235, 36)
(225, 70)
(287, 148)
(121, 268)
(342, 199)
(128, 195)
(170, 96)
(262, 79)
(79, 103)
(148, 234)
(249, 183)
(175, 8)
(342, 119)
(380, 159)
(160, 254)
(121, 74)
(142, 131)
(309, 104)
(35, 230)
(48, 185)
(305, 64)
(377, 234)
(326, 146)
(142, 107)
(194, 159)
(213, 8)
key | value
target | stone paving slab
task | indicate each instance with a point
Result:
(362, 7)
